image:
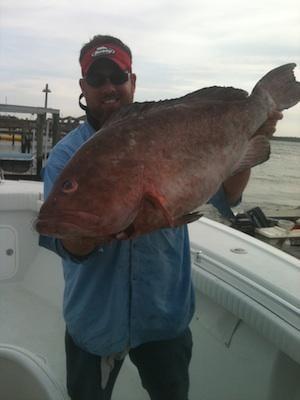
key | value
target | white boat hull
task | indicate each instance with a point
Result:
(246, 328)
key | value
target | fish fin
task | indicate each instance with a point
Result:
(258, 151)
(188, 218)
(134, 110)
(217, 93)
(208, 94)
(280, 84)
(159, 201)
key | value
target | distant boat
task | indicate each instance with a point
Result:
(246, 328)
(16, 162)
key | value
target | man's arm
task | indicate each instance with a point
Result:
(235, 185)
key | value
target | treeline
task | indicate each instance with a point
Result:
(286, 138)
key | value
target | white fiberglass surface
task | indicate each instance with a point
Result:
(35, 324)
(31, 322)
(245, 259)
(31, 315)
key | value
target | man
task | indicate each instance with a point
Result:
(131, 296)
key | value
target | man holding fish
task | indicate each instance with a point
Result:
(125, 297)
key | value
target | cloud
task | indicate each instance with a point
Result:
(178, 46)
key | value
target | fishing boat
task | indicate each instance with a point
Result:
(246, 327)
(15, 162)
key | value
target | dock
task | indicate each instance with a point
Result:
(25, 143)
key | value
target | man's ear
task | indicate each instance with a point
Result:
(133, 81)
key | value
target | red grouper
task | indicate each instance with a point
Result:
(152, 164)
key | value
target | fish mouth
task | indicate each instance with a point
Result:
(69, 224)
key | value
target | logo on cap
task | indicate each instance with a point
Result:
(103, 51)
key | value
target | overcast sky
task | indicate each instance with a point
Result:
(178, 46)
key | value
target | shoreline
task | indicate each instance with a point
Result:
(286, 138)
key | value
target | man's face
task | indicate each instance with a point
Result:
(104, 89)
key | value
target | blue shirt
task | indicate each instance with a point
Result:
(127, 292)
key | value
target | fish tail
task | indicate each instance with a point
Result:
(280, 86)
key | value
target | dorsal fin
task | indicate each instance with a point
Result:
(133, 110)
(217, 93)
(205, 95)
(258, 151)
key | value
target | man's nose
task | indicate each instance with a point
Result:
(107, 85)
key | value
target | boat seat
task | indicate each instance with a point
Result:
(25, 376)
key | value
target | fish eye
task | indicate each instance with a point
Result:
(69, 186)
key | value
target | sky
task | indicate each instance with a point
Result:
(178, 46)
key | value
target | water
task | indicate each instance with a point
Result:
(275, 184)
(6, 147)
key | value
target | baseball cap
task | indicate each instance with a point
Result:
(111, 51)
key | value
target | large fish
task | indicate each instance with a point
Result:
(152, 164)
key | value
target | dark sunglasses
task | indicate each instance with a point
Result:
(97, 79)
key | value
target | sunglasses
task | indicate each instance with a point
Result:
(97, 79)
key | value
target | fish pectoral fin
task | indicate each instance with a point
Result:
(258, 151)
(188, 218)
(159, 201)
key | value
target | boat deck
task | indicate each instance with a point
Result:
(292, 250)
(41, 322)
(42, 331)
(246, 325)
